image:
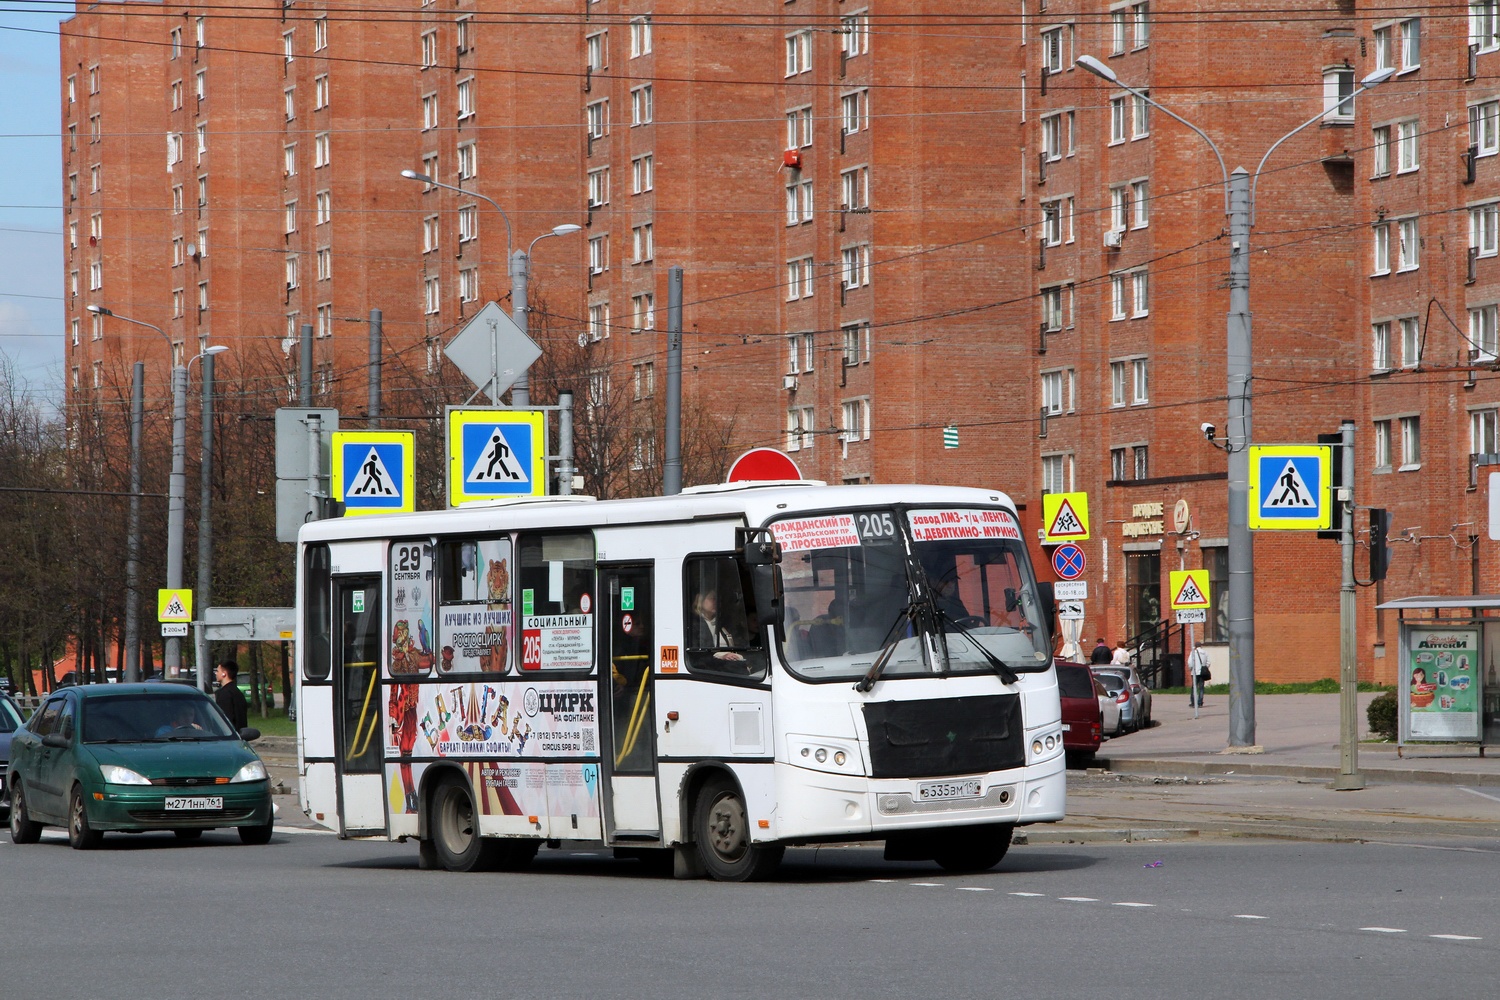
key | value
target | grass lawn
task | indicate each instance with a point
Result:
(275, 724)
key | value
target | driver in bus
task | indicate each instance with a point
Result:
(711, 630)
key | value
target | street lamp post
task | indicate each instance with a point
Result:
(1239, 206)
(519, 266)
(177, 484)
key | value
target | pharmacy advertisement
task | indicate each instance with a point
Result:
(1440, 684)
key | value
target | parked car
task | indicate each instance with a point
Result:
(1139, 692)
(135, 757)
(1083, 722)
(1118, 690)
(10, 721)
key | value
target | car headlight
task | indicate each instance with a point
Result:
(116, 775)
(253, 771)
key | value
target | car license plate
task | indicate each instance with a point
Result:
(193, 802)
(1067, 728)
(929, 791)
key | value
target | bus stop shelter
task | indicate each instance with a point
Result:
(1447, 685)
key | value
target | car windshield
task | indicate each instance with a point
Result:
(1073, 682)
(153, 718)
(10, 719)
(849, 593)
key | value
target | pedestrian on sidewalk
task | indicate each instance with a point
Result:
(1199, 675)
(1121, 657)
(1102, 653)
(229, 696)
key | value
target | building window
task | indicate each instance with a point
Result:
(642, 170)
(465, 98)
(1482, 427)
(291, 272)
(289, 160)
(1484, 24)
(1380, 151)
(1411, 443)
(1057, 473)
(856, 188)
(429, 234)
(1119, 120)
(178, 254)
(1411, 342)
(1139, 298)
(1052, 308)
(463, 36)
(1140, 22)
(325, 207)
(1484, 128)
(320, 92)
(1406, 147)
(320, 34)
(1057, 391)
(96, 226)
(93, 79)
(856, 420)
(799, 131)
(1381, 248)
(322, 156)
(429, 49)
(430, 168)
(289, 97)
(1140, 200)
(1141, 122)
(290, 225)
(641, 244)
(1118, 382)
(175, 37)
(96, 276)
(1052, 137)
(1118, 25)
(1382, 446)
(1408, 249)
(598, 187)
(202, 133)
(856, 343)
(176, 95)
(800, 349)
(1483, 341)
(643, 379)
(288, 47)
(643, 312)
(855, 30)
(598, 119)
(595, 51)
(73, 323)
(429, 111)
(599, 321)
(799, 428)
(468, 284)
(1380, 346)
(855, 109)
(1055, 55)
(641, 110)
(1140, 381)
(856, 266)
(325, 320)
(1119, 208)
(96, 178)
(1338, 94)
(174, 149)
(799, 202)
(640, 37)
(1482, 235)
(1385, 48)
(432, 296)
(325, 264)
(468, 223)
(177, 200)
(98, 327)
(798, 52)
(1142, 463)
(468, 161)
(799, 279)
(1119, 296)
(1411, 44)
(598, 254)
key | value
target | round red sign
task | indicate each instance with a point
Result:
(626, 624)
(762, 465)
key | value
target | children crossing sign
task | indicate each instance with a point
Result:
(495, 453)
(1289, 487)
(374, 472)
(174, 605)
(1189, 588)
(1065, 518)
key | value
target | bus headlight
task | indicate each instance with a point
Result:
(1045, 745)
(819, 754)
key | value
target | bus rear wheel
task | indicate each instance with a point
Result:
(454, 823)
(973, 848)
(722, 833)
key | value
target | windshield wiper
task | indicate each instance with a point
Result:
(893, 639)
(1001, 668)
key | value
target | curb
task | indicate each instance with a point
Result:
(1064, 836)
(1243, 765)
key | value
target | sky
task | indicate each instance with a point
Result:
(31, 268)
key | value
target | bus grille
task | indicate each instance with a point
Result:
(945, 736)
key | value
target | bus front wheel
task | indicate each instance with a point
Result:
(454, 823)
(722, 832)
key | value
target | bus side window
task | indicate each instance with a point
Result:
(459, 577)
(719, 633)
(317, 625)
(556, 589)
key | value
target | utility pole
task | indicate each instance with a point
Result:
(1349, 778)
(176, 508)
(203, 598)
(375, 339)
(133, 529)
(305, 380)
(1237, 443)
(671, 474)
(520, 273)
(565, 442)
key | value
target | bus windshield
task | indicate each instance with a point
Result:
(850, 593)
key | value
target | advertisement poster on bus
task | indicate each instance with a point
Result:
(411, 649)
(1440, 684)
(475, 719)
(557, 642)
(531, 789)
(474, 621)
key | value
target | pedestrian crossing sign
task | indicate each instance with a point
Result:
(1065, 518)
(495, 453)
(174, 605)
(1189, 588)
(1289, 487)
(374, 472)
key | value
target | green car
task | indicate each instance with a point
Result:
(135, 757)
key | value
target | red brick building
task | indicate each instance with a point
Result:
(893, 219)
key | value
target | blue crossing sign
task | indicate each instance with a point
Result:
(1289, 487)
(495, 453)
(374, 472)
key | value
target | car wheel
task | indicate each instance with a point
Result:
(187, 834)
(973, 848)
(722, 833)
(23, 829)
(80, 836)
(257, 835)
(455, 829)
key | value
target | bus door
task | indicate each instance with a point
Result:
(357, 704)
(627, 660)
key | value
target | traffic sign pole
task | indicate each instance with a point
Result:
(1349, 778)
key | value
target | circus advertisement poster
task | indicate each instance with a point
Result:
(411, 650)
(475, 638)
(473, 719)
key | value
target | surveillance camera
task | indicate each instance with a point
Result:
(1208, 431)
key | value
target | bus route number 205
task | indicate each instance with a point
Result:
(876, 526)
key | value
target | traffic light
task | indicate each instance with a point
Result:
(1380, 549)
(1335, 529)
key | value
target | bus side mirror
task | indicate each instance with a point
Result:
(1048, 598)
(765, 584)
(757, 546)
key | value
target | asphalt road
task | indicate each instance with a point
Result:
(147, 917)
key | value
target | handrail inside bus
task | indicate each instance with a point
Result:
(637, 715)
(357, 749)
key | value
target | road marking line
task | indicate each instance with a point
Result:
(1037, 895)
(1134, 904)
(1455, 937)
(1475, 791)
(1078, 899)
(1385, 930)
(974, 888)
(306, 830)
(1251, 916)
(882, 881)
(937, 885)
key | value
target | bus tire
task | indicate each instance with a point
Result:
(973, 848)
(721, 830)
(454, 823)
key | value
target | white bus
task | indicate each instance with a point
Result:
(717, 674)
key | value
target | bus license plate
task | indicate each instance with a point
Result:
(929, 791)
(193, 802)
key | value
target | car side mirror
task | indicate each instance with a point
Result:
(249, 734)
(57, 740)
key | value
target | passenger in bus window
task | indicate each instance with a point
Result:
(712, 631)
